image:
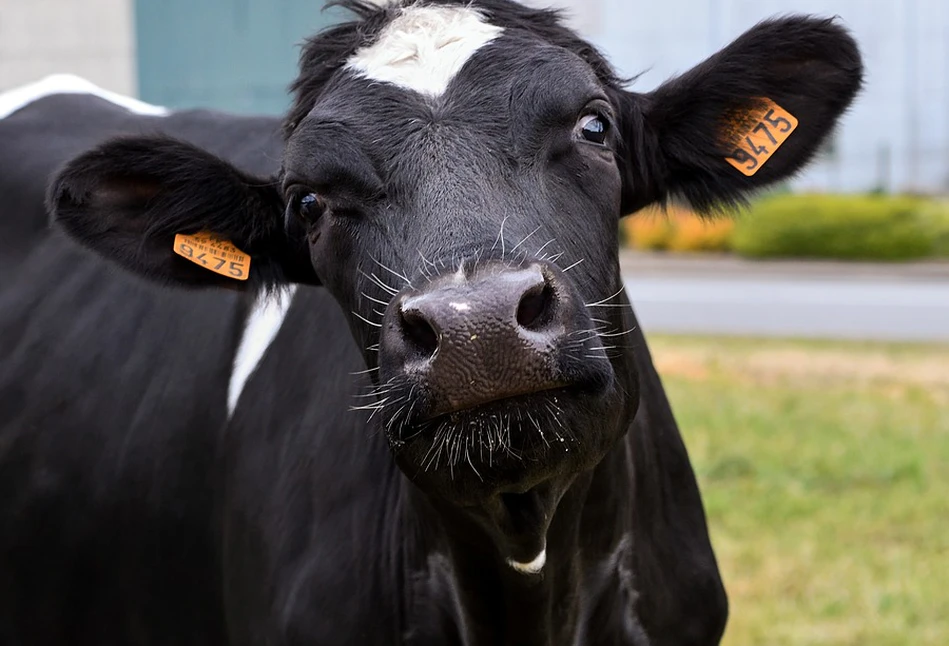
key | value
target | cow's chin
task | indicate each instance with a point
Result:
(509, 447)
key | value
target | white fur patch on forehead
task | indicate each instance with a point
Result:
(423, 48)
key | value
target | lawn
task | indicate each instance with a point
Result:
(825, 472)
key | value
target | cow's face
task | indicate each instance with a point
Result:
(454, 174)
(467, 219)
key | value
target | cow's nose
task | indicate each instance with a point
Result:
(480, 339)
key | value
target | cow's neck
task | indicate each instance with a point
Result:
(457, 569)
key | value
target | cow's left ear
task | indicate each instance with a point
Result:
(178, 215)
(751, 115)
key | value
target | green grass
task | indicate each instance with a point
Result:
(825, 473)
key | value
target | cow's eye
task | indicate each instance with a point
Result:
(310, 207)
(593, 128)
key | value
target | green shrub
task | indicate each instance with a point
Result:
(868, 227)
(937, 215)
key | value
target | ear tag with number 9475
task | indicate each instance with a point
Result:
(767, 129)
(214, 254)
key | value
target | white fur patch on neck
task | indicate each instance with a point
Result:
(423, 48)
(260, 329)
(20, 97)
(534, 567)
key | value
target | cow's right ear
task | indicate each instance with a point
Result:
(166, 210)
(751, 115)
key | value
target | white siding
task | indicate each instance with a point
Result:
(91, 38)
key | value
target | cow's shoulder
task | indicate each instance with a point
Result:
(27, 96)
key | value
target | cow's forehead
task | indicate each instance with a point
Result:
(433, 51)
(424, 47)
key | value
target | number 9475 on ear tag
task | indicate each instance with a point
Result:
(768, 128)
(214, 254)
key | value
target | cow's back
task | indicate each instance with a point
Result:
(113, 398)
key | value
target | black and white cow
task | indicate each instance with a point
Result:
(428, 415)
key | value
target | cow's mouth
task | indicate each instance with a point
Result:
(489, 424)
(507, 445)
(495, 404)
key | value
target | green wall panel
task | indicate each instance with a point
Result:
(235, 55)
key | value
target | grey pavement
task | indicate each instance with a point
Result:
(708, 294)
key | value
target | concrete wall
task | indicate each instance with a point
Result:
(91, 38)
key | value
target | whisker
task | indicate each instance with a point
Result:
(539, 429)
(394, 417)
(500, 237)
(573, 265)
(373, 395)
(394, 272)
(514, 248)
(608, 335)
(372, 406)
(379, 282)
(593, 331)
(365, 320)
(544, 246)
(471, 463)
(375, 300)
(426, 260)
(609, 298)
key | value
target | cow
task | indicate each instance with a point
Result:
(366, 373)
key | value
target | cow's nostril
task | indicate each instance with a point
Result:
(419, 333)
(535, 308)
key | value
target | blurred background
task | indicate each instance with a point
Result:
(804, 342)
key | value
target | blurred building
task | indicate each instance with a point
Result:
(240, 55)
(92, 38)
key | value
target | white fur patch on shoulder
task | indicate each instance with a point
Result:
(17, 98)
(260, 329)
(424, 47)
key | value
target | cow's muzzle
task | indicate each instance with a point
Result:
(498, 333)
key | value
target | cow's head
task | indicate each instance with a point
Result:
(454, 174)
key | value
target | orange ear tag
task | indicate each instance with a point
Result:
(767, 128)
(214, 254)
